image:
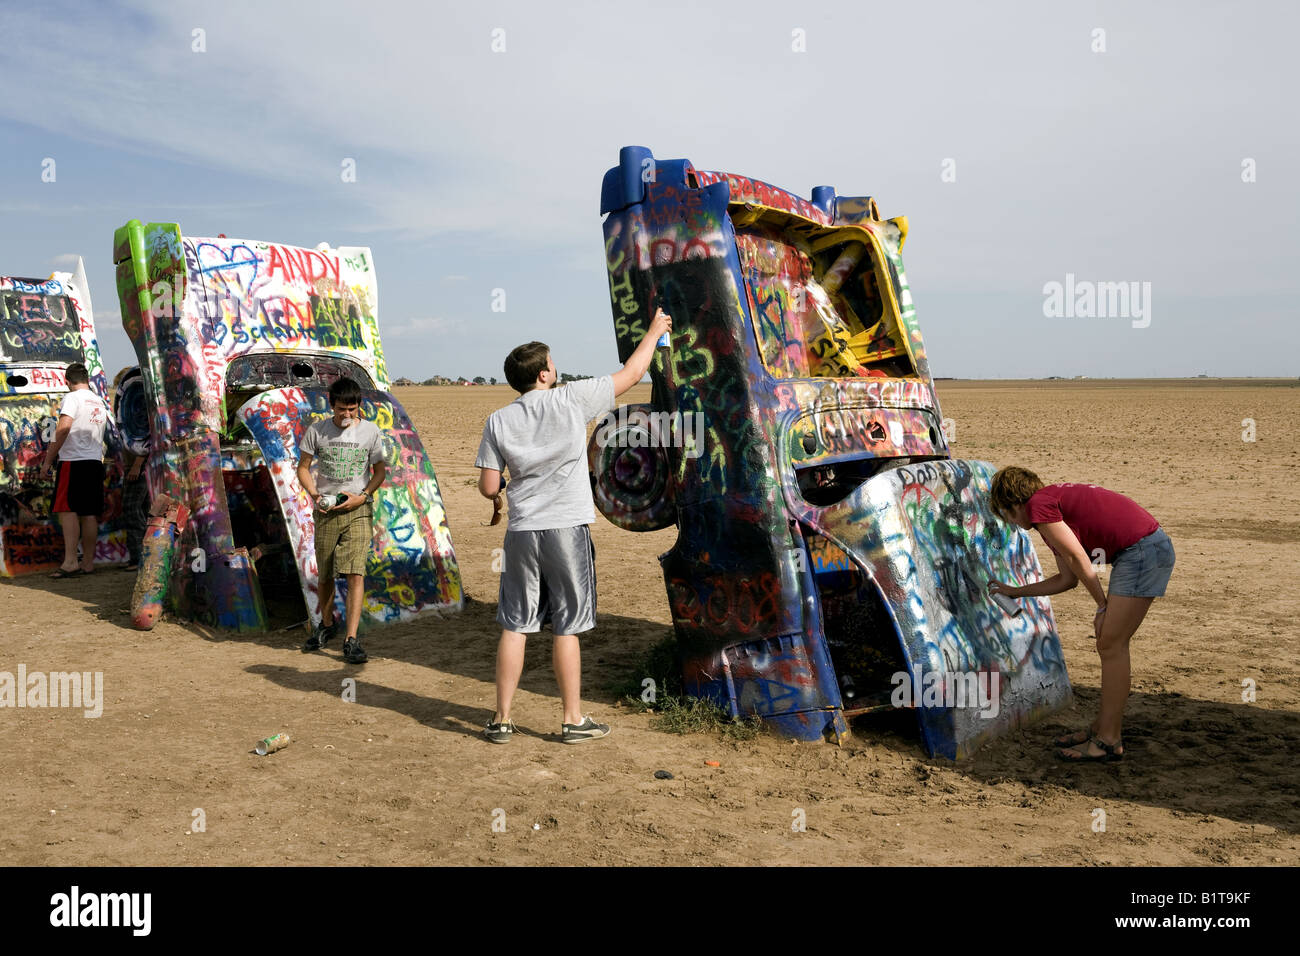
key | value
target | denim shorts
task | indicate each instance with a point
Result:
(1143, 568)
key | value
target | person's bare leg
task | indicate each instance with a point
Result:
(1123, 617)
(567, 657)
(89, 536)
(510, 667)
(356, 596)
(71, 526)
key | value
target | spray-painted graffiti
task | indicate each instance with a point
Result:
(26, 429)
(237, 342)
(929, 540)
(823, 531)
(879, 418)
(745, 190)
(411, 565)
(131, 410)
(45, 326)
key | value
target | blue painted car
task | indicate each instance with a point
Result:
(832, 557)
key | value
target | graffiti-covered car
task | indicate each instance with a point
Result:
(238, 342)
(832, 557)
(45, 326)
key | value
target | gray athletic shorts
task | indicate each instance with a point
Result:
(1144, 567)
(548, 577)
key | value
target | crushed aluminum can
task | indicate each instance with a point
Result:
(269, 745)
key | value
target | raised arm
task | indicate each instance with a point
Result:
(639, 361)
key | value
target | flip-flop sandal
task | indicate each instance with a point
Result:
(1107, 754)
(1072, 740)
(60, 574)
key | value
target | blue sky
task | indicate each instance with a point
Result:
(479, 170)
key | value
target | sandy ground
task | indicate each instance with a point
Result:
(402, 775)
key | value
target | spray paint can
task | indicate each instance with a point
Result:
(848, 689)
(1009, 606)
(269, 745)
(652, 308)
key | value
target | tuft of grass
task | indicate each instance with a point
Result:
(675, 711)
(690, 715)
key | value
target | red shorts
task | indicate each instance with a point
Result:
(79, 487)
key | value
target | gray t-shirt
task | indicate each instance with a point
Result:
(542, 438)
(343, 455)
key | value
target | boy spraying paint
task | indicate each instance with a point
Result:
(352, 467)
(549, 562)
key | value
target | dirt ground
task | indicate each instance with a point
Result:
(402, 776)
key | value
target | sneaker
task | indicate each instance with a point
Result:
(320, 636)
(353, 652)
(502, 732)
(587, 730)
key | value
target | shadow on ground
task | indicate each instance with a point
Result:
(1190, 756)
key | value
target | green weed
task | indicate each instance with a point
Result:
(675, 711)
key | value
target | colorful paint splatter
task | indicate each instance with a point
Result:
(45, 326)
(238, 342)
(826, 538)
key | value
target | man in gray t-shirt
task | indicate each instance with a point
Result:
(549, 566)
(343, 453)
(351, 465)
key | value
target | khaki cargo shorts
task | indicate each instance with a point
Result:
(342, 542)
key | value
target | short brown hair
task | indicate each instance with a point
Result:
(524, 364)
(76, 374)
(344, 391)
(1012, 486)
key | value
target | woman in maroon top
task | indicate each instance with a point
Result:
(1087, 526)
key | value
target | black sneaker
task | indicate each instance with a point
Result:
(353, 652)
(581, 733)
(320, 636)
(500, 733)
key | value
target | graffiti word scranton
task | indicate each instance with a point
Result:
(641, 429)
(102, 909)
(57, 689)
(951, 689)
(1098, 300)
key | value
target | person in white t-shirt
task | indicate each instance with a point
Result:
(78, 447)
(549, 562)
